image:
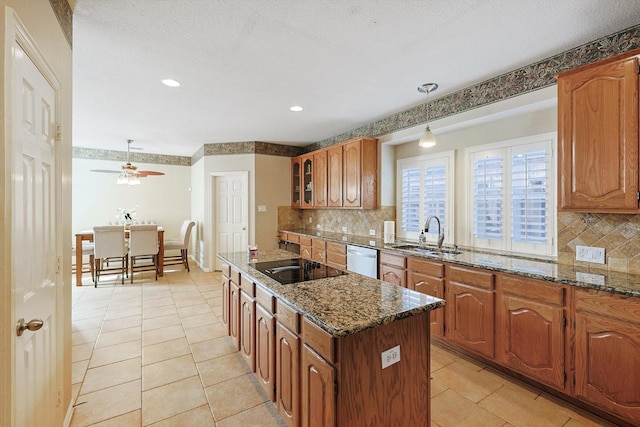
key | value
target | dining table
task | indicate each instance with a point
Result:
(87, 235)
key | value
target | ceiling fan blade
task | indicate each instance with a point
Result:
(148, 173)
(104, 171)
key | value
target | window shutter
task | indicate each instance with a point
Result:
(411, 199)
(487, 198)
(435, 181)
(529, 172)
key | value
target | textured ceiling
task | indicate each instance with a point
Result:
(243, 63)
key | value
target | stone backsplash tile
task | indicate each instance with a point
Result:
(358, 222)
(619, 235)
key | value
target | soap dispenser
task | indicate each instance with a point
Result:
(422, 239)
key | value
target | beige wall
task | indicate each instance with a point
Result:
(273, 184)
(42, 25)
(197, 210)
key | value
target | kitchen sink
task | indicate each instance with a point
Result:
(431, 250)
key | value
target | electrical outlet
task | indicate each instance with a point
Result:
(318, 226)
(390, 357)
(590, 254)
(372, 232)
(344, 229)
(372, 242)
(310, 219)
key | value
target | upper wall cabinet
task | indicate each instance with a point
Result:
(341, 176)
(598, 136)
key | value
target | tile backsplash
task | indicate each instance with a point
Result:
(618, 234)
(358, 222)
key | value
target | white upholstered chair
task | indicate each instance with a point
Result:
(109, 244)
(143, 245)
(181, 244)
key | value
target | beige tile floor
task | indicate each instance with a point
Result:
(156, 353)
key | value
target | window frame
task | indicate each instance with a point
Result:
(446, 158)
(508, 148)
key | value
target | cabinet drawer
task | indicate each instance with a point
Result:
(283, 236)
(235, 276)
(319, 255)
(226, 270)
(471, 276)
(423, 266)
(319, 340)
(293, 238)
(604, 304)
(532, 289)
(337, 248)
(393, 259)
(318, 244)
(337, 259)
(248, 286)
(265, 299)
(288, 316)
(305, 241)
(305, 252)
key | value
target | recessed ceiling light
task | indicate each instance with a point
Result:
(296, 108)
(171, 83)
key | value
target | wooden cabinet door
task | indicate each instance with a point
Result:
(234, 313)
(607, 368)
(225, 303)
(351, 177)
(305, 252)
(471, 318)
(288, 375)
(318, 390)
(392, 274)
(334, 172)
(533, 339)
(296, 182)
(433, 286)
(598, 137)
(266, 350)
(248, 329)
(320, 182)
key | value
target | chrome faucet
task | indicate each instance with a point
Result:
(440, 232)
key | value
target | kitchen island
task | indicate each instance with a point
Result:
(349, 350)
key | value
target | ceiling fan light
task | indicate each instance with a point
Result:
(134, 180)
(122, 179)
(428, 139)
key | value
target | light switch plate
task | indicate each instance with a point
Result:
(262, 208)
(390, 357)
(372, 232)
(344, 229)
(590, 254)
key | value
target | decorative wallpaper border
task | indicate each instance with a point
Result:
(517, 82)
(121, 156)
(248, 147)
(64, 14)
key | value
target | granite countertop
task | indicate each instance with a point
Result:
(583, 277)
(341, 305)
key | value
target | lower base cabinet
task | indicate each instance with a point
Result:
(428, 277)
(607, 352)
(318, 390)
(265, 350)
(287, 375)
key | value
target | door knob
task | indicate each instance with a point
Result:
(32, 325)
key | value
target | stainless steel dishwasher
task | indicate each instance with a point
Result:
(362, 260)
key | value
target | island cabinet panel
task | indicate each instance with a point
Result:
(400, 392)
(607, 352)
(530, 337)
(234, 313)
(393, 268)
(318, 390)
(334, 172)
(470, 309)
(598, 136)
(265, 341)
(427, 277)
(248, 329)
(320, 179)
(288, 375)
(226, 296)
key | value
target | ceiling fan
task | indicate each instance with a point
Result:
(129, 174)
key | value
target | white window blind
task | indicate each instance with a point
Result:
(435, 187)
(487, 198)
(529, 172)
(411, 199)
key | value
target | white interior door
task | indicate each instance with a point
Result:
(232, 213)
(33, 249)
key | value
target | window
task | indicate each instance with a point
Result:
(425, 189)
(513, 195)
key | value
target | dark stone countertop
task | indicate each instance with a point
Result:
(551, 271)
(341, 305)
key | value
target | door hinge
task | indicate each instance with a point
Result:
(639, 196)
(58, 136)
(58, 264)
(564, 321)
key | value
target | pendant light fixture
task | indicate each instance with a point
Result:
(428, 139)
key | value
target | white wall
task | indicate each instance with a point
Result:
(165, 199)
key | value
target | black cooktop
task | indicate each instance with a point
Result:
(295, 270)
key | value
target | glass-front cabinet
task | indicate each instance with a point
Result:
(296, 166)
(307, 174)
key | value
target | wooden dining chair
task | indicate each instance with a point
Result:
(143, 245)
(181, 244)
(109, 244)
